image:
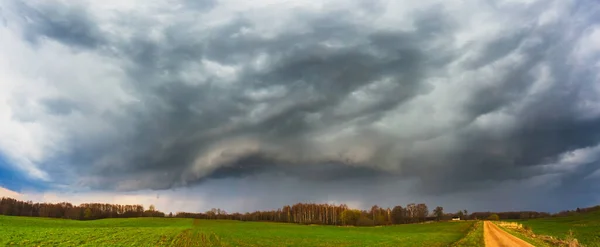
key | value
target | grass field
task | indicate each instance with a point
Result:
(585, 227)
(474, 237)
(26, 231)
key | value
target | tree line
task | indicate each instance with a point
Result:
(86, 211)
(510, 215)
(326, 214)
(577, 211)
(300, 213)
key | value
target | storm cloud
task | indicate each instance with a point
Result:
(452, 96)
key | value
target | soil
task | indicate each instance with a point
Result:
(496, 237)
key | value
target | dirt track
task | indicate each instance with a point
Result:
(496, 237)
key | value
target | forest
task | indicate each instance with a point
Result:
(300, 213)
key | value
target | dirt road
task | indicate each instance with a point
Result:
(496, 237)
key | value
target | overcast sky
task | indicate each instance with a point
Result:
(246, 105)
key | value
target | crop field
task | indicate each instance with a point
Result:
(585, 227)
(29, 231)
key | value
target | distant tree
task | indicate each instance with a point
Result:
(363, 220)
(493, 217)
(397, 215)
(466, 215)
(374, 212)
(171, 214)
(438, 212)
(411, 212)
(422, 211)
(350, 216)
(388, 216)
(211, 213)
(459, 214)
(87, 214)
(152, 208)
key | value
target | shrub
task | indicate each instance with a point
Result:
(494, 217)
(571, 240)
(350, 216)
(364, 221)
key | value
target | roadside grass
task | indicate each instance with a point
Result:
(29, 231)
(474, 237)
(522, 234)
(584, 227)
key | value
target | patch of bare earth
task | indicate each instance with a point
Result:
(496, 237)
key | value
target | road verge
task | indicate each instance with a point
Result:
(529, 236)
(473, 238)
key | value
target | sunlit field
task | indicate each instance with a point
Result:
(585, 227)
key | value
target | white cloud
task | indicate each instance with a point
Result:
(9, 193)
(32, 133)
(570, 161)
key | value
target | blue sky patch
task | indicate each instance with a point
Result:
(15, 180)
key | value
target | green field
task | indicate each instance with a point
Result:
(474, 238)
(585, 227)
(29, 231)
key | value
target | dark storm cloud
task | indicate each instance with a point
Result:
(59, 106)
(315, 77)
(323, 172)
(56, 20)
(309, 101)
